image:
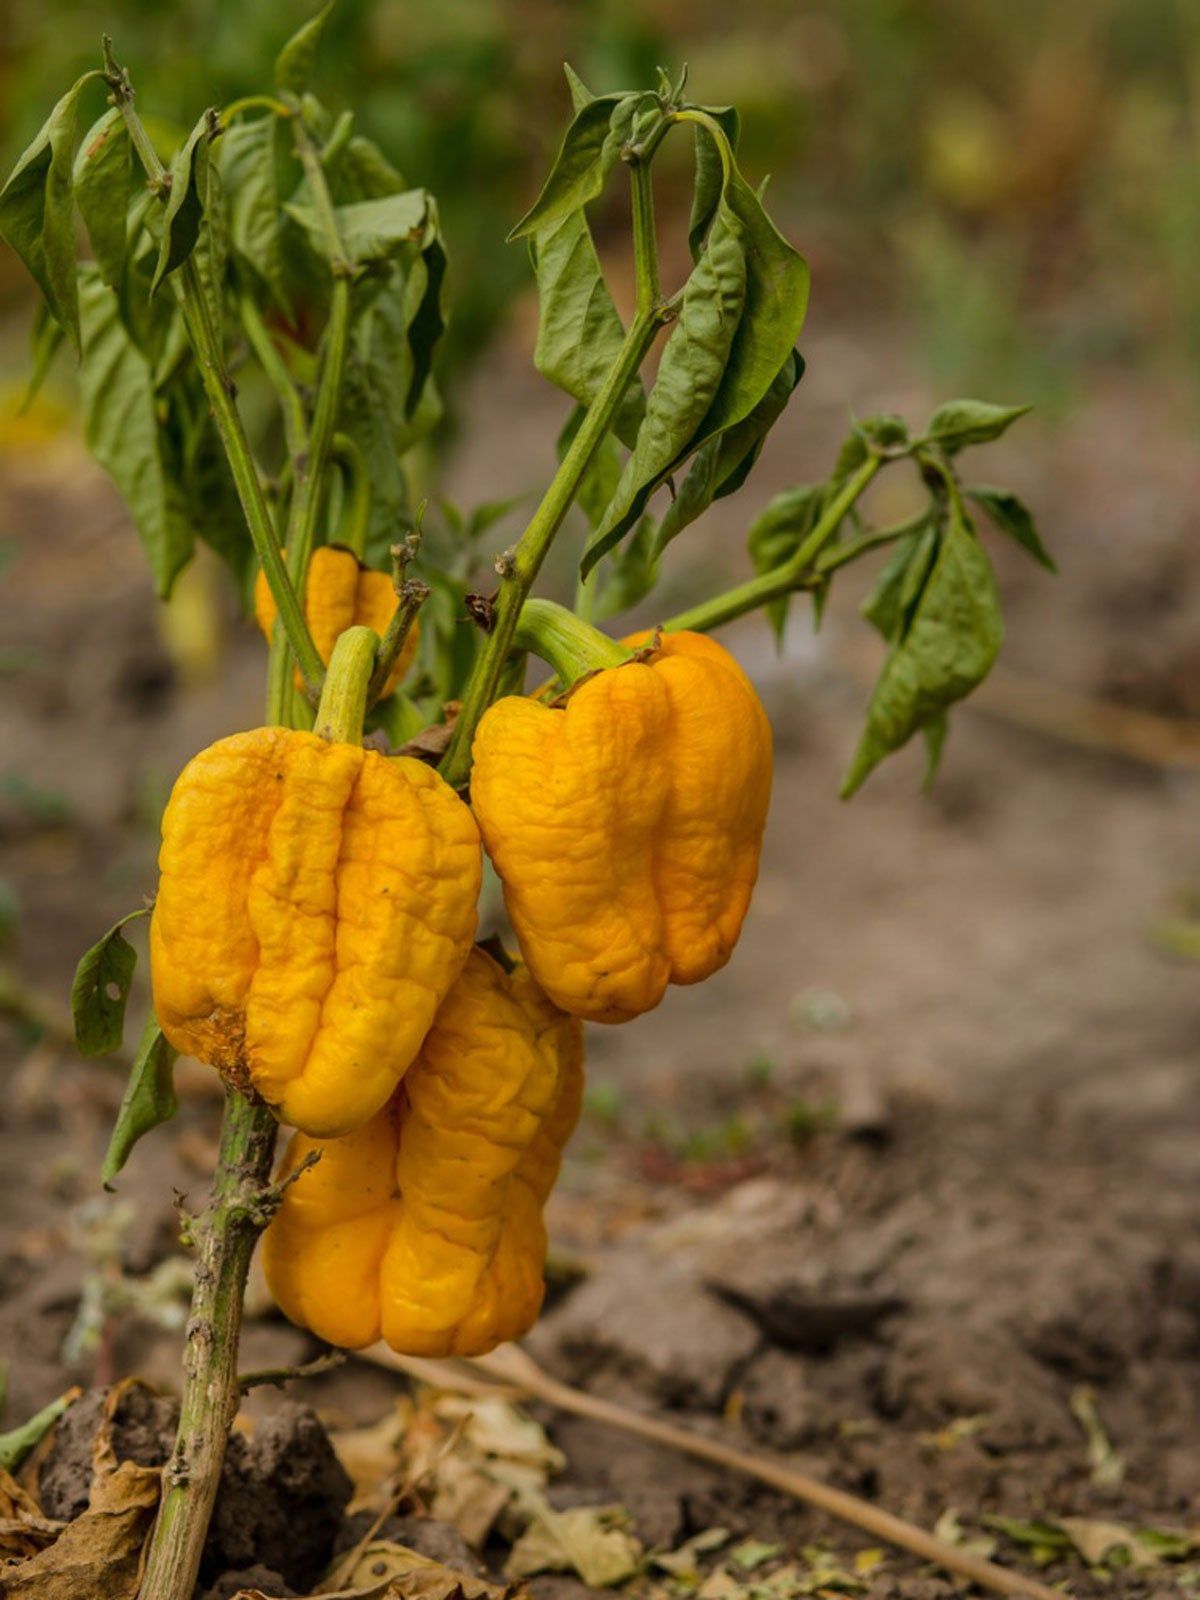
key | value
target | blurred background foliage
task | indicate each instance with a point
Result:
(1016, 180)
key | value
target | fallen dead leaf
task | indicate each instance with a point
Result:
(23, 1529)
(592, 1541)
(99, 1554)
(384, 1570)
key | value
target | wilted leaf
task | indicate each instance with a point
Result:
(248, 171)
(681, 1562)
(710, 174)
(579, 332)
(589, 149)
(372, 231)
(122, 430)
(149, 1098)
(592, 1541)
(889, 606)
(185, 206)
(37, 209)
(17, 1443)
(100, 990)
(947, 650)
(103, 184)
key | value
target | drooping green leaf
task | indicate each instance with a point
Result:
(1012, 516)
(37, 209)
(184, 210)
(212, 247)
(427, 292)
(295, 62)
(710, 174)
(100, 990)
(775, 536)
(757, 337)
(689, 376)
(103, 187)
(372, 232)
(589, 149)
(890, 604)
(149, 1098)
(934, 733)
(122, 431)
(724, 463)
(947, 650)
(248, 157)
(45, 340)
(579, 332)
(960, 423)
(361, 171)
(631, 574)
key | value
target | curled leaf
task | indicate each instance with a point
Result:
(149, 1099)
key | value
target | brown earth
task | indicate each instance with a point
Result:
(904, 1193)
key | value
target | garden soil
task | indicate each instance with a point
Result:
(907, 1194)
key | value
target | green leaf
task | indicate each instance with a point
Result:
(723, 464)
(185, 203)
(934, 732)
(122, 430)
(579, 332)
(890, 604)
(631, 574)
(37, 211)
(295, 62)
(361, 171)
(580, 93)
(753, 286)
(149, 1098)
(373, 232)
(589, 149)
(947, 650)
(427, 292)
(1012, 516)
(710, 174)
(248, 153)
(689, 376)
(775, 536)
(101, 990)
(103, 186)
(45, 340)
(960, 423)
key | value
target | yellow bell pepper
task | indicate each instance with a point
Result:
(340, 592)
(425, 1226)
(315, 905)
(626, 824)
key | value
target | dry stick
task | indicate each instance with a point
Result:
(510, 1369)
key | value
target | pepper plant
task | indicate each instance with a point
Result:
(277, 248)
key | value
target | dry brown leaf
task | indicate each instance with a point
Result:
(371, 1455)
(592, 1541)
(24, 1531)
(99, 1555)
(388, 1571)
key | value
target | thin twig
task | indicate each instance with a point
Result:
(509, 1370)
(281, 1375)
(411, 595)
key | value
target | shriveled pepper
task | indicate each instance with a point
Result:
(626, 823)
(425, 1226)
(316, 903)
(340, 592)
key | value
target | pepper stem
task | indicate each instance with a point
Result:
(571, 646)
(344, 695)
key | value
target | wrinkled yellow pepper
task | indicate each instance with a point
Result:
(626, 825)
(338, 593)
(315, 905)
(425, 1226)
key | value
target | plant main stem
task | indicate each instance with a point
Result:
(521, 567)
(226, 1235)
